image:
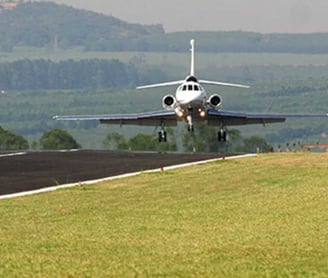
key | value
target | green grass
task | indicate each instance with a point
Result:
(256, 217)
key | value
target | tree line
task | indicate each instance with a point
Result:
(70, 74)
(203, 141)
(55, 139)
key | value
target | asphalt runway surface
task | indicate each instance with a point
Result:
(37, 170)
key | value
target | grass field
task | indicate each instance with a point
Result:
(254, 217)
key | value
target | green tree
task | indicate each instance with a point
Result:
(10, 141)
(234, 140)
(145, 142)
(140, 142)
(256, 144)
(203, 139)
(58, 139)
(115, 141)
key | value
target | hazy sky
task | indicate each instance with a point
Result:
(288, 16)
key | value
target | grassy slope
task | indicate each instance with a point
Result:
(263, 216)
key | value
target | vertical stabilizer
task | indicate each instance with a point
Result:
(192, 64)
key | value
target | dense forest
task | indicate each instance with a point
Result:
(42, 74)
(70, 74)
(98, 74)
(61, 26)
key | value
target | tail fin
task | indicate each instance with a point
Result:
(192, 77)
(192, 63)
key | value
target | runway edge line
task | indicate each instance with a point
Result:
(90, 182)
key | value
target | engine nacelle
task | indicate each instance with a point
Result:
(169, 102)
(215, 101)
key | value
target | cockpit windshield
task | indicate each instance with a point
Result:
(190, 87)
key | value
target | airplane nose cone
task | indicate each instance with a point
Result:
(189, 97)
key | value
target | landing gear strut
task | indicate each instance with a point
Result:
(189, 119)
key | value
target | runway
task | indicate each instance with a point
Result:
(21, 172)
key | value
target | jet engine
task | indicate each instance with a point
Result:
(169, 102)
(215, 101)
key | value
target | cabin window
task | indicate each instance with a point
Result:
(196, 88)
(184, 88)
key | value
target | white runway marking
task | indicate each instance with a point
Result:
(13, 154)
(54, 188)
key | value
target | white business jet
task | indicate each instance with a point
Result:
(190, 104)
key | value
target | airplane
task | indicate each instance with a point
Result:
(191, 105)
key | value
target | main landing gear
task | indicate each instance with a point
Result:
(162, 134)
(222, 135)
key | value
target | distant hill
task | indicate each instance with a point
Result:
(50, 25)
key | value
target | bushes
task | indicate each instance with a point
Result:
(10, 141)
(58, 139)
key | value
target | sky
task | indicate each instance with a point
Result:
(265, 16)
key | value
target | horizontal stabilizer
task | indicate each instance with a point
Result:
(161, 84)
(223, 84)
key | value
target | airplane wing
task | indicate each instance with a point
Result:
(154, 118)
(169, 118)
(230, 118)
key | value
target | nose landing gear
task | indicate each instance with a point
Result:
(189, 120)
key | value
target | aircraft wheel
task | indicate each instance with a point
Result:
(219, 136)
(222, 135)
(162, 136)
(165, 136)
